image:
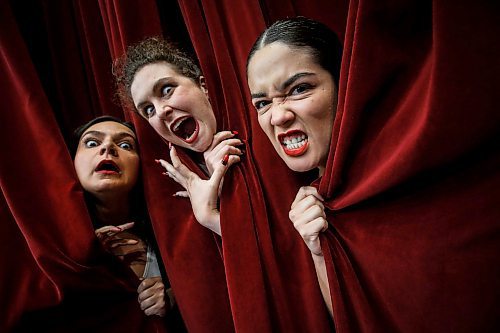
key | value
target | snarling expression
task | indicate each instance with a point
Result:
(296, 102)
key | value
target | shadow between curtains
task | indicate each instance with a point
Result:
(412, 186)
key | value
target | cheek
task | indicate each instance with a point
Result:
(265, 124)
(81, 166)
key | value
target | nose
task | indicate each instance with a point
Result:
(108, 148)
(163, 110)
(281, 114)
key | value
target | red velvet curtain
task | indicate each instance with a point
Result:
(412, 177)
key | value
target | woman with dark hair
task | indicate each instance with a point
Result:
(293, 71)
(106, 160)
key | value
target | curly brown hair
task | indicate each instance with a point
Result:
(148, 51)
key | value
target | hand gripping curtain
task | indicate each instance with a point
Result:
(271, 280)
(189, 251)
(412, 181)
(65, 281)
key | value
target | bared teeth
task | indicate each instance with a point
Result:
(294, 142)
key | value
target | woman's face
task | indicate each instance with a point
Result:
(177, 107)
(296, 101)
(106, 159)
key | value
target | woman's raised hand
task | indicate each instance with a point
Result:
(308, 216)
(106, 236)
(203, 194)
(224, 143)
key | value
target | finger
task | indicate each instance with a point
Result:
(106, 231)
(181, 194)
(226, 144)
(305, 191)
(228, 150)
(121, 242)
(221, 170)
(126, 226)
(220, 136)
(306, 203)
(304, 217)
(173, 173)
(147, 283)
(157, 309)
(179, 166)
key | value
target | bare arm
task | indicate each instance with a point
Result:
(309, 219)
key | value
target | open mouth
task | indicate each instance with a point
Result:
(294, 142)
(107, 167)
(186, 128)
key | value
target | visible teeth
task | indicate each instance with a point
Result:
(177, 124)
(295, 142)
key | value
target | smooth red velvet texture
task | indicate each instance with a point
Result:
(412, 179)
(60, 260)
(271, 280)
(413, 176)
(55, 276)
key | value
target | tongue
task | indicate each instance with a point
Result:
(186, 128)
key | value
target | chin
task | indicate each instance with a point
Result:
(298, 164)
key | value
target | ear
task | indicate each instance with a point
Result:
(203, 84)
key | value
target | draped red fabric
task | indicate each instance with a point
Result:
(189, 251)
(271, 280)
(412, 179)
(55, 276)
(413, 173)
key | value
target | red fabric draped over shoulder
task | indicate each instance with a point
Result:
(55, 276)
(413, 177)
(271, 280)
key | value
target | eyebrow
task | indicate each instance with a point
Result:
(156, 86)
(99, 134)
(288, 82)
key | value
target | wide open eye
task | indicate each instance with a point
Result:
(148, 111)
(91, 143)
(125, 145)
(167, 90)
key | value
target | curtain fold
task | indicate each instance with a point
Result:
(412, 177)
(270, 277)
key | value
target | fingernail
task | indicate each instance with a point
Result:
(225, 159)
(157, 161)
(235, 132)
(164, 173)
(170, 145)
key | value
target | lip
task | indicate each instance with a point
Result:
(107, 172)
(294, 152)
(194, 136)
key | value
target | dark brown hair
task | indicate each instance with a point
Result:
(149, 51)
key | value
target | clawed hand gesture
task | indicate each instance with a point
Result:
(203, 194)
